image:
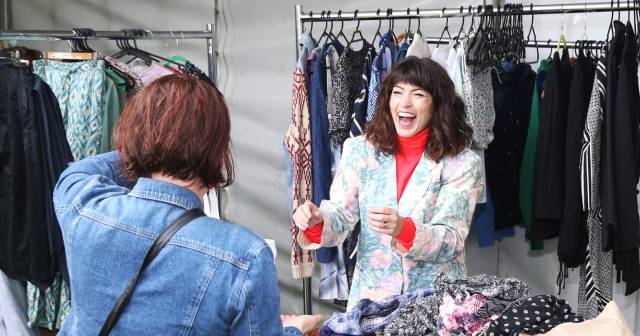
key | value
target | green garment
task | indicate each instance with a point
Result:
(121, 86)
(111, 110)
(528, 158)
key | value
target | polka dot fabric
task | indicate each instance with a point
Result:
(537, 314)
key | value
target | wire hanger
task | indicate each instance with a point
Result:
(532, 30)
(311, 28)
(550, 49)
(324, 34)
(461, 31)
(377, 34)
(392, 23)
(341, 32)
(408, 33)
(331, 36)
(561, 40)
(357, 31)
(473, 19)
(446, 28)
(419, 19)
(610, 30)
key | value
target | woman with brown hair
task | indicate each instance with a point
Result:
(411, 181)
(211, 277)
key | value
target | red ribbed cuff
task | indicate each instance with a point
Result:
(407, 234)
(314, 233)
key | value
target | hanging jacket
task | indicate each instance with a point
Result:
(607, 179)
(573, 235)
(529, 154)
(595, 288)
(623, 153)
(548, 178)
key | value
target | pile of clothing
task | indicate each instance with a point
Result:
(476, 305)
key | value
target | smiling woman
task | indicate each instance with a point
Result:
(410, 180)
(420, 88)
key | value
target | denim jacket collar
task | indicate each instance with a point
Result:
(165, 192)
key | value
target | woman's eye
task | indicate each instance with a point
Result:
(420, 95)
(396, 92)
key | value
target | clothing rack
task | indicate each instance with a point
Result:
(66, 35)
(488, 10)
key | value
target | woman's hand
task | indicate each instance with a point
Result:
(304, 323)
(385, 220)
(306, 216)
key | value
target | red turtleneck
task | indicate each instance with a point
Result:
(410, 150)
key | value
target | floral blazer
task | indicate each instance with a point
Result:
(440, 198)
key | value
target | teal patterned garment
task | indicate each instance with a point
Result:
(440, 198)
(49, 308)
(79, 88)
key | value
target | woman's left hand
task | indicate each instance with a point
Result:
(385, 220)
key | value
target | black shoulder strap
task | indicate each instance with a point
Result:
(158, 244)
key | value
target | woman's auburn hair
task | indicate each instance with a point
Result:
(178, 126)
(449, 134)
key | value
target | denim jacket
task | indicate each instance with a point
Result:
(212, 278)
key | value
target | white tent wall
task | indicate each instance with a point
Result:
(257, 54)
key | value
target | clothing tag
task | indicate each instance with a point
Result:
(272, 246)
(355, 250)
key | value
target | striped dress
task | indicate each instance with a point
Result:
(596, 274)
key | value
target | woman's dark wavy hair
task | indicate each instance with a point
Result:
(449, 133)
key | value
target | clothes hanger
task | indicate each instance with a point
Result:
(532, 30)
(419, 19)
(610, 30)
(473, 19)
(561, 40)
(324, 34)
(311, 28)
(177, 57)
(446, 28)
(331, 37)
(518, 31)
(479, 42)
(550, 50)
(585, 38)
(341, 32)
(408, 33)
(392, 23)
(460, 32)
(377, 34)
(357, 31)
(132, 50)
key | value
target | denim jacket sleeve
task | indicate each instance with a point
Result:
(258, 305)
(89, 178)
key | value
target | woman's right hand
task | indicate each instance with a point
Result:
(307, 215)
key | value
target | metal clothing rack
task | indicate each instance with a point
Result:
(398, 14)
(63, 35)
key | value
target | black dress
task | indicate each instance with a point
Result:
(512, 90)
